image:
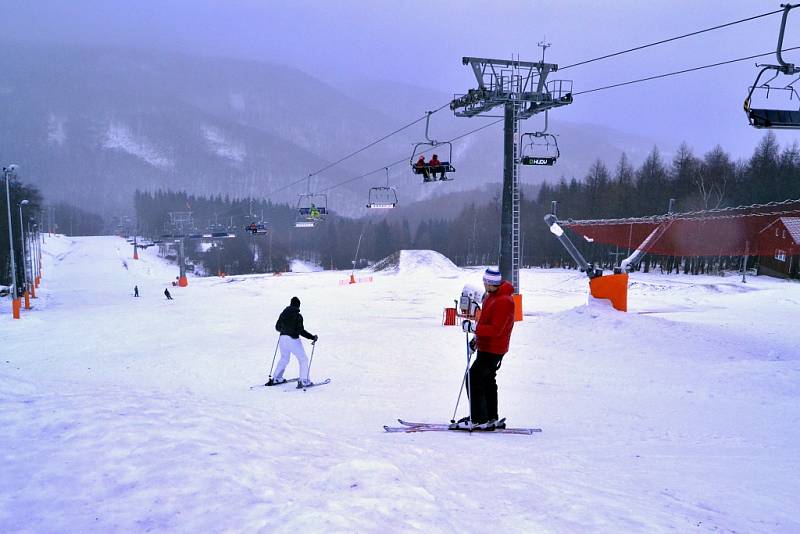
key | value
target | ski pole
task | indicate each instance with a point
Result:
(463, 381)
(273, 357)
(311, 360)
(458, 401)
(469, 385)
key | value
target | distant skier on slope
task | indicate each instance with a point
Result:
(166, 294)
(135, 291)
(290, 326)
(492, 337)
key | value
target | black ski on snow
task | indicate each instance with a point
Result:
(268, 385)
(444, 427)
(315, 384)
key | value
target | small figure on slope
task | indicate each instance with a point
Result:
(166, 294)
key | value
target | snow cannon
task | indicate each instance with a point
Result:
(613, 287)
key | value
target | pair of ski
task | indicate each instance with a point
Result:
(288, 380)
(408, 427)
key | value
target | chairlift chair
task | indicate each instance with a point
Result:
(542, 149)
(311, 209)
(382, 197)
(427, 170)
(772, 116)
(257, 228)
(769, 114)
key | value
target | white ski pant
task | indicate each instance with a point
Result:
(289, 346)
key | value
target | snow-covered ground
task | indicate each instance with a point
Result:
(125, 415)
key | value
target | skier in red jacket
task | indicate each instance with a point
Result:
(492, 336)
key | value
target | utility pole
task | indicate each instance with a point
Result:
(8, 173)
(521, 87)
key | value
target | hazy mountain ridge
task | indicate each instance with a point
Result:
(91, 125)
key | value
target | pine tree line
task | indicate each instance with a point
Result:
(714, 180)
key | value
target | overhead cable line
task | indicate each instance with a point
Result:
(698, 32)
(641, 47)
(292, 184)
(684, 71)
(382, 167)
(410, 124)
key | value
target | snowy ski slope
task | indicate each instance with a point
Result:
(129, 415)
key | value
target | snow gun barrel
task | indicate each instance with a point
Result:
(552, 222)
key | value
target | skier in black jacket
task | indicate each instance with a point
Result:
(290, 326)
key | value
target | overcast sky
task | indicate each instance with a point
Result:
(422, 42)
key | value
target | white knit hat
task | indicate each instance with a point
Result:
(492, 277)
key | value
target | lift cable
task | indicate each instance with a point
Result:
(410, 124)
(373, 143)
(405, 159)
(682, 71)
(698, 32)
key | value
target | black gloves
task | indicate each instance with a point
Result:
(314, 340)
(473, 344)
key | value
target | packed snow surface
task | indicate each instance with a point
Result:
(123, 414)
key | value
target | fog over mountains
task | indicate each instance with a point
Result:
(90, 125)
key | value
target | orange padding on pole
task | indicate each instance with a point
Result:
(449, 317)
(183, 282)
(517, 307)
(135, 253)
(27, 300)
(15, 305)
(613, 287)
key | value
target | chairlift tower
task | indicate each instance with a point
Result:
(181, 221)
(522, 89)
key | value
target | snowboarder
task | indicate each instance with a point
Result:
(166, 294)
(492, 337)
(135, 291)
(290, 326)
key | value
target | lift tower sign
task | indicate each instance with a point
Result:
(521, 87)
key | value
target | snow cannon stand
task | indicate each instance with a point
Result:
(613, 287)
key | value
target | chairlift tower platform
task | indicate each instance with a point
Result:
(521, 87)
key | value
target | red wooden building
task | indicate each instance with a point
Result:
(783, 236)
(770, 231)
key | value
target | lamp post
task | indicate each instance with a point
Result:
(31, 263)
(24, 263)
(8, 172)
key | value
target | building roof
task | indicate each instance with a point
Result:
(792, 224)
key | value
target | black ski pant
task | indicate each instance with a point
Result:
(483, 386)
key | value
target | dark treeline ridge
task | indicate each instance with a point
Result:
(472, 237)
